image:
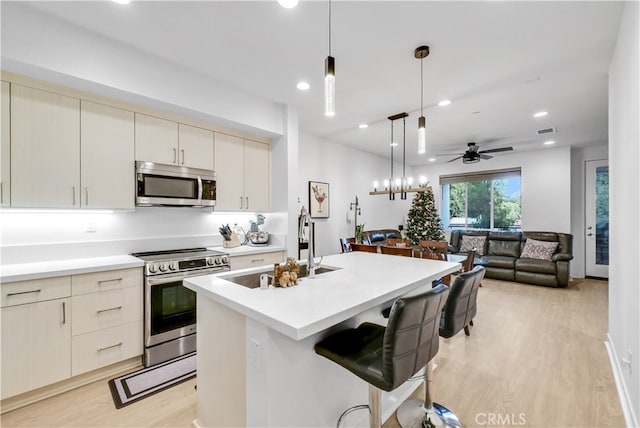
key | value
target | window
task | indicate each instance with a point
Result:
(482, 200)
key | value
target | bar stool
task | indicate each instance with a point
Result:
(385, 358)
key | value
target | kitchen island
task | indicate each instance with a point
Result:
(256, 362)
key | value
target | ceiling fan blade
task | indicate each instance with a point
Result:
(450, 154)
(455, 159)
(501, 149)
(485, 157)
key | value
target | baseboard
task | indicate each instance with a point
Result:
(630, 417)
(30, 397)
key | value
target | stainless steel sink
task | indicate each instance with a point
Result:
(252, 280)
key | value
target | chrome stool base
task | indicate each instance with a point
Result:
(413, 414)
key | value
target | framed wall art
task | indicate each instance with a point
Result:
(318, 199)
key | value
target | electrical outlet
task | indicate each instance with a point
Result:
(627, 359)
(91, 227)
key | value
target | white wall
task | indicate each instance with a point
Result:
(546, 179)
(350, 173)
(624, 210)
(46, 48)
(578, 158)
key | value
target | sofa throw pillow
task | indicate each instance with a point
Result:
(541, 250)
(471, 242)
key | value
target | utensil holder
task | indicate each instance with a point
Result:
(233, 242)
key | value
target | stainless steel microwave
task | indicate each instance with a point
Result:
(170, 185)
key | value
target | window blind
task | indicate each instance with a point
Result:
(495, 174)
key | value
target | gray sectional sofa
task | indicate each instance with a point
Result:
(504, 253)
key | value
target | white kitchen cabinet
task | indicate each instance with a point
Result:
(195, 147)
(45, 149)
(107, 157)
(5, 145)
(106, 318)
(36, 337)
(243, 174)
(167, 142)
(255, 260)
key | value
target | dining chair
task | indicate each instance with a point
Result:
(436, 250)
(364, 247)
(461, 306)
(345, 244)
(396, 242)
(468, 263)
(397, 251)
(427, 253)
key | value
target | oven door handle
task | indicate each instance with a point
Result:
(173, 278)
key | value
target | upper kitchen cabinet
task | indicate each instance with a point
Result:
(5, 143)
(195, 147)
(167, 142)
(107, 157)
(243, 174)
(45, 149)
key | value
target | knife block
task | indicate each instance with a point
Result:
(233, 242)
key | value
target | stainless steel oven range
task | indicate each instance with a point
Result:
(169, 307)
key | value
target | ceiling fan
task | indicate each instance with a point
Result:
(473, 155)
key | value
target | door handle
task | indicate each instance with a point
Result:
(247, 198)
(74, 195)
(175, 154)
(182, 152)
(241, 202)
(589, 234)
(86, 196)
(64, 313)
(589, 228)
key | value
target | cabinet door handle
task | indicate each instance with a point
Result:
(1, 191)
(257, 260)
(110, 309)
(24, 292)
(64, 312)
(104, 281)
(74, 195)
(182, 153)
(175, 160)
(241, 202)
(86, 195)
(109, 347)
(247, 198)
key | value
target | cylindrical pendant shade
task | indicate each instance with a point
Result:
(329, 86)
(422, 135)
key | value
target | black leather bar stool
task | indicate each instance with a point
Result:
(385, 358)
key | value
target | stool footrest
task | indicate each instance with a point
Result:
(412, 413)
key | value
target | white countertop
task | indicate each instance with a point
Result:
(248, 249)
(28, 271)
(364, 281)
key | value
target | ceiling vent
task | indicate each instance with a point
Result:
(545, 131)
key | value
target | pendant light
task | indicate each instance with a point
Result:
(329, 78)
(421, 53)
(400, 183)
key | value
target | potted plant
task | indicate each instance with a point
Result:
(359, 233)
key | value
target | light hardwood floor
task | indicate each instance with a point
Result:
(535, 358)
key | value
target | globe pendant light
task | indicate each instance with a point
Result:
(421, 53)
(330, 78)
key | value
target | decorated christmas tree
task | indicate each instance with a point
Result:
(423, 221)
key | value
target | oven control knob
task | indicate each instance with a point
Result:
(225, 259)
(210, 261)
(173, 266)
(153, 268)
(218, 261)
(164, 266)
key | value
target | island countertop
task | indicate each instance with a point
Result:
(361, 282)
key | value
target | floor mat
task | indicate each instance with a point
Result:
(146, 382)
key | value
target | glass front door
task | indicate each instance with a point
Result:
(597, 219)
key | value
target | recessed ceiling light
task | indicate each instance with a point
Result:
(394, 144)
(541, 114)
(303, 86)
(444, 103)
(122, 1)
(548, 143)
(288, 4)
(363, 126)
(432, 159)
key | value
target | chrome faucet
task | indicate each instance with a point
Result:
(304, 219)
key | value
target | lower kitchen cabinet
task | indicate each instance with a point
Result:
(100, 348)
(254, 260)
(59, 327)
(36, 345)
